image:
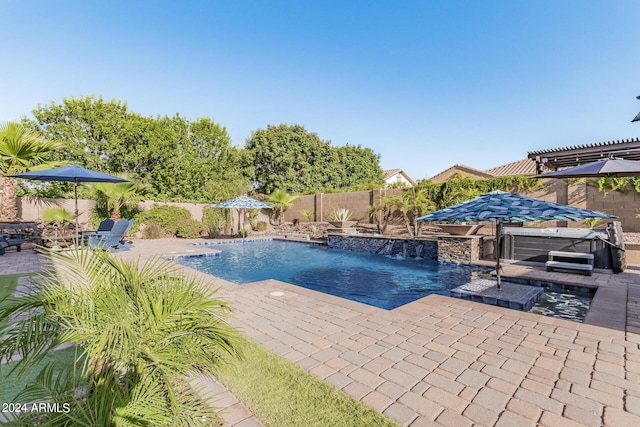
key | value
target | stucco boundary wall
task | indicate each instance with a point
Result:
(452, 249)
(579, 194)
(32, 208)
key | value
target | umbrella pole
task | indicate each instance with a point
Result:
(75, 196)
(498, 251)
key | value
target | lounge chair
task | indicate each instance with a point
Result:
(111, 239)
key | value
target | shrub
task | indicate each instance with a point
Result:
(190, 229)
(215, 221)
(167, 217)
(243, 232)
(153, 231)
(261, 226)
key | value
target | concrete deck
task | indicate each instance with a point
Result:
(445, 361)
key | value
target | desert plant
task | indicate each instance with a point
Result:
(341, 214)
(21, 150)
(153, 231)
(114, 196)
(141, 330)
(591, 222)
(216, 221)
(58, 217)
(244, 232)
(190, 229)
(168, 217)
(260, 226)
(308, 214)
(281, 201)
(253, 214)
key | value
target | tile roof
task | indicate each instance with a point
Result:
(524, 167)
(390, 172)
(465, 170)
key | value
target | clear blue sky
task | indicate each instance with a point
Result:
(426, 84)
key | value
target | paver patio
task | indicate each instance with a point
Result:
(443, 361)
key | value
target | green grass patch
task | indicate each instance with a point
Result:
(12, 384)
(282, 394)
(8, 283)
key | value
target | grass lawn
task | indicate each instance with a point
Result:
(12, 385)
(282, 394)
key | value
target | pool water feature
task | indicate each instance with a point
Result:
(382, 281)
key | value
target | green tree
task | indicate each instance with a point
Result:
(176, 156)
(359, 168)
(290, 158)
(281, 200)
(21, 150)
(141, 330)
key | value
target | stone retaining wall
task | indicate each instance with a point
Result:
(458, 249)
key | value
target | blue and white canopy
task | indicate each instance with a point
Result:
(244, 202)
(499, 206)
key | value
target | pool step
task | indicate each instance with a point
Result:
(510, 295)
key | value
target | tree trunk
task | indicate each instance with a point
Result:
(115, 215)
(405, 219)
(8, 205)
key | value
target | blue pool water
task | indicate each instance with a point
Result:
(372, 279)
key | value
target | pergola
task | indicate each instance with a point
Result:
(559, 158)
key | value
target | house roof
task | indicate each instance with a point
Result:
(524, 167)
(386, 174)
(459, 169)
(390, 172)
(556, 158)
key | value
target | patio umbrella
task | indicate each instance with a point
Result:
(609, 167)
(243, 202)
(499, 207)
(73, 174)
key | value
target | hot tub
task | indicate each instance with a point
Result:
(534, 244)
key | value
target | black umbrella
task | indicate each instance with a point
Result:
(609, 167)
(73, 174)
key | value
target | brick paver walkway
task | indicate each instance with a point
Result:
(442, 361)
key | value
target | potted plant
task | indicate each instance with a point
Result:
(341, 218)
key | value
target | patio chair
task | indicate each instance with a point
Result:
(126, 231)
(104, 228)
(16, 241)
(3, 244)
(111, 239)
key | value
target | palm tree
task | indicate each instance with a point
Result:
(281, 200)
(142, 331)
(114, 196)
(59, 217)
(21, 150)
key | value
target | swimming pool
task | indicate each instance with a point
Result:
(381, 281)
